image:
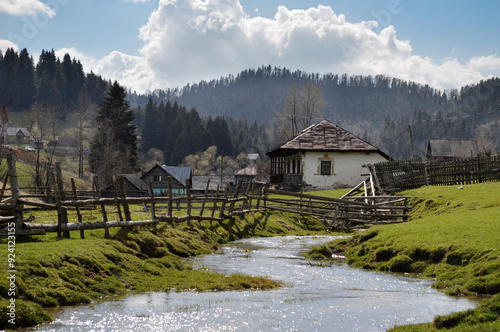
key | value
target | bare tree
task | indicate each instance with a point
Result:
(311, 103)
(301, 107)
(42, 125)
(81, 117)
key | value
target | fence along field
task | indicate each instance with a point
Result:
(413, 173)
(91, 211)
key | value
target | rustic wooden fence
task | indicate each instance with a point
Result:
(72, 211)
(413, 173)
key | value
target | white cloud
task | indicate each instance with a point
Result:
(5, 44)
(489, 63)
(26, 7)
(188, 41)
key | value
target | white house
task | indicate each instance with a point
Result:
(322, 156)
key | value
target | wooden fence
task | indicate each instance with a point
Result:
(413, 173)
(123, 211)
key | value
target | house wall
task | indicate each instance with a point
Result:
(159, 178)
(346, 168)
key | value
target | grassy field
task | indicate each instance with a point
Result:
(453, 238)
(53, 271)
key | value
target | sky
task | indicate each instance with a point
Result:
(151, 44)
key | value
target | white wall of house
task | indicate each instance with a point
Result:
(345, 168)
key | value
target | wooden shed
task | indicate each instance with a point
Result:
(450, 148)
(134, 187)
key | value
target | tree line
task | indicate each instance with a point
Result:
(379, 108)
(240, 113)
(175, 132)
(51, 80)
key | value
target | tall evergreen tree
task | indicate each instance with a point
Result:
(10, 65)
(114, 147)
(25, 82)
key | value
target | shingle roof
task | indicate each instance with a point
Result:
(136, 181)
(181, 174)
(250, 170)
(12, 131)
(326, 136)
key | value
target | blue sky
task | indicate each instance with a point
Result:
(147, 45)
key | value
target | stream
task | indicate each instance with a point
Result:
(315, 297)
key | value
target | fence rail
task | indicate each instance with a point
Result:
(123, 211)
(413, 173)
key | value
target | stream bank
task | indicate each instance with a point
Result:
(452, 239)
(54, 272)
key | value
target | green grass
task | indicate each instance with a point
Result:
(53, 271)
(453, 237)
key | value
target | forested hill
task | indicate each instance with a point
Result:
(380, 108)
(50, 80)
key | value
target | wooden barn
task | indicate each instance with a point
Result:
(159, 175)
(322, 156)
(134, 187)
(451, 148)
(63, 145)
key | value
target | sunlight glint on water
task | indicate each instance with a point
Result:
(336, 298)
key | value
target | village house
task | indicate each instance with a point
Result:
(133, 185)
(254, 172)
(18, 135)
(247, 174)
(322, 156)
(63, 145)
(450, 148)
(159, 174)
(199, 184)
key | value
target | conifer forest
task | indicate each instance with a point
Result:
(236, 113)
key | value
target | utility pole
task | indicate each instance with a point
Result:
(221, 168)
(412, 146)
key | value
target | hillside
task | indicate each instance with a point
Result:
(378, 109)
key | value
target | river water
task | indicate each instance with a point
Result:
(315, 298)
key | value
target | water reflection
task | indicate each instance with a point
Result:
(336, 298)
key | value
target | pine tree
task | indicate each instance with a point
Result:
(10, 65)
(114, 147)
(25, 92)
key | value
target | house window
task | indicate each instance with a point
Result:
(326, 167)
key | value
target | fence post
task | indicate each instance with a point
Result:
(78, 213)
(62, 212)
(169, 192)
(14, 187)
(215, 201)
(152, 196)
(4, 185)
(103, 207)
(236, 193)
(117, 197)
(188, 194)
(205, 199)
(223, 205)
(126, 209)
